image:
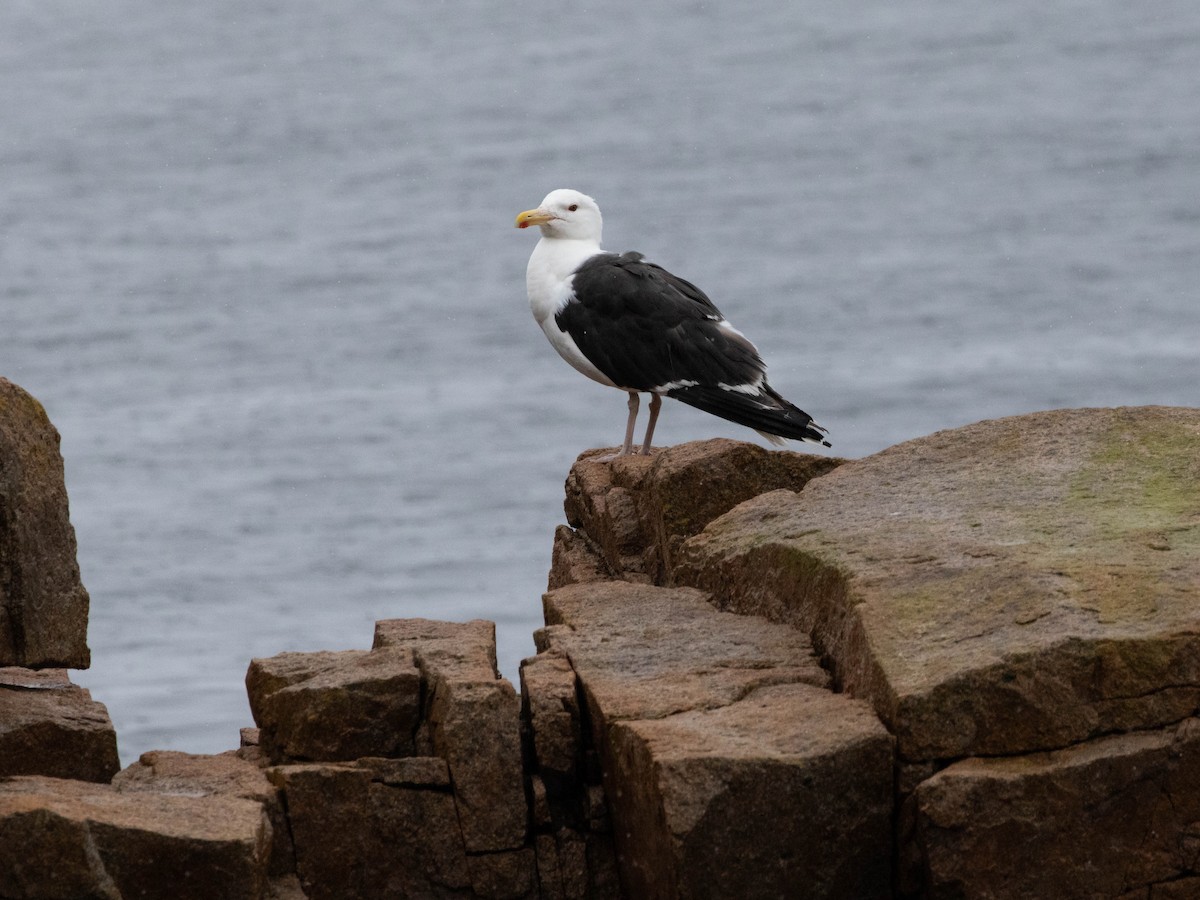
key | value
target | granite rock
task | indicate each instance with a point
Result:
(637, 510)
(1104, 818)
(575, 560)
(330, 706)
(650, 652)
(377, 828)
(788, 786)
(221, 775)
(80, 841)
(471, 720)
(1012, 586)
(49, 726)
(43, 604)
(711, 730)
(550, 706)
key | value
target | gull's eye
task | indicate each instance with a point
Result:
(573, 207)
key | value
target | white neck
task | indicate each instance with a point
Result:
(548, 277)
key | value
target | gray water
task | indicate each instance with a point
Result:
(257, 260)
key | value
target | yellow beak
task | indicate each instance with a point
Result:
(533, 217)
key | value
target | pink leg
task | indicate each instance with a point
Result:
(633, 411)
(655, 405)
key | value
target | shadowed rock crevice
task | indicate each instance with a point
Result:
(569, 813)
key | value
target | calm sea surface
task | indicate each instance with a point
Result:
(257, 260)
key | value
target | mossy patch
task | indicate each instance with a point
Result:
(1139, 481)
(1137, 499)
(1041, 572)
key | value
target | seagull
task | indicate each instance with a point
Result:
(632, 325)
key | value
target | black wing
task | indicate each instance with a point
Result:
(645, 328)
(648, 330)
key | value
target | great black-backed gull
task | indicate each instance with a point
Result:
(632, 325)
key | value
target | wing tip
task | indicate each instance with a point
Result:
(779, 441)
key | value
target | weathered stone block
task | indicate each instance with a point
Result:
(790, 786)
(473, 723)
(650, 652)
(575, 560)
(730, 768)
(73, 839)
(49, 726)
(43, 604)
(474, 726)
(464, 648)
(374, 830)
(1106, 818)
(331, 706)
(550, 705)
(637, 510)
(223, 775)
(1012, 586)
(507, 875)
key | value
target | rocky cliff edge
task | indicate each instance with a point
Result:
(967, 666)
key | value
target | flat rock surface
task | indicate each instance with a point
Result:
(465, 650)
(645, 652)
(1011, 586)
(195, 775)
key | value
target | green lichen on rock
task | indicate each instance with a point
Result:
(1142, 484)
(1013, 585)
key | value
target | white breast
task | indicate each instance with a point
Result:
(548, 279)
(551, 267)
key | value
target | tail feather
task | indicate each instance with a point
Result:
(765, 411)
